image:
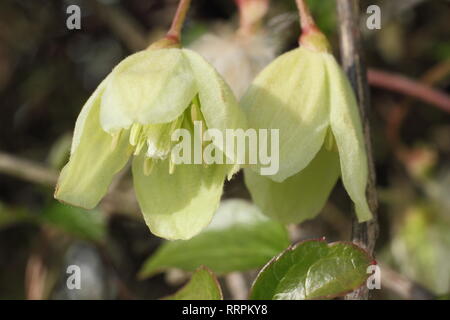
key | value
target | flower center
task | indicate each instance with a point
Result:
(156, 139)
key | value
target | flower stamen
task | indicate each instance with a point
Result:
(149, 164)
(115, 139)
(171, 166)
(135, 134)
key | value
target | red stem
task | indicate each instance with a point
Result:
(306, 20)
(178, 21)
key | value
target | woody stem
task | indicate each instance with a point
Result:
(363, 234)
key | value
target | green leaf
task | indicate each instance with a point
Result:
(238, 238)
(202, 286)
(85, 224)
(313, 269)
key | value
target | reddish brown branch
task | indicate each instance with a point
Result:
(395, 114)
(402, 84)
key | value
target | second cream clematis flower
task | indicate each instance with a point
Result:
(133, 113)
(305, 94)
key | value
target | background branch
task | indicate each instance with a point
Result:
(402, 84)
(117, 201)
(124, 26)
(363, 234)
(27, 170)
(404, 287)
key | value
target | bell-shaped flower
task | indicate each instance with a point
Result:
(133, 113)
(305, 94)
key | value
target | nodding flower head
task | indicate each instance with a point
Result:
(133, 113)
(305, 94)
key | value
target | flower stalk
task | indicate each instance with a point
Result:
(178, 21)
(311, 36)
(306, 20)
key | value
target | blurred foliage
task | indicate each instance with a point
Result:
(202, 286)
(80, 223)
(420, 248)
(239, 238)
(88, 225)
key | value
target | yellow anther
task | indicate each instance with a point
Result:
(135, 134)
(139, 146)
(171, 166)
(196, 112)
(196, 115)
(149, 164)
(115, 139)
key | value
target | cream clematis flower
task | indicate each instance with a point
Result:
(305, 94)
(133, 113)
